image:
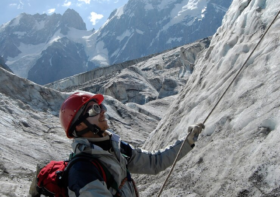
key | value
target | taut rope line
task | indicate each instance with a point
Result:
(175, 161)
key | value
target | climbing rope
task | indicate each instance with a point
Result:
(175, 161)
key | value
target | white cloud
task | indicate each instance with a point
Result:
(50, 11)
(85, 1)
(20, 5)
(94, 17)
(67, 3)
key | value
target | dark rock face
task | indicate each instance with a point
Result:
(9, 48)
(71, 19)
(62, 59)
(3, 65)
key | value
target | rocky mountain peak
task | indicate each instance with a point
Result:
(71, 18)
(23, 22)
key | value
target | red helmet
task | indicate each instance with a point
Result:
(71, 107)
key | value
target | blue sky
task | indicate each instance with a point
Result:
(93, 12)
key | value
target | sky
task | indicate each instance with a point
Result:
(93, 12)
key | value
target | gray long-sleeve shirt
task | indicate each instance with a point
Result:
(86, 181)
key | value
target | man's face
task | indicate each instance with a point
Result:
(100, 119)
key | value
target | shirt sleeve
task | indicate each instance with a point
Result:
(144, 162)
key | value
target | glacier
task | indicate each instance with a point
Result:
(236, 155)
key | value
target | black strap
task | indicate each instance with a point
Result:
(82, 132)
(90, 127)
(93, 128)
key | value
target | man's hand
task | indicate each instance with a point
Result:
(194, 131)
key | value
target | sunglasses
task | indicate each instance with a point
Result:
(96, 109)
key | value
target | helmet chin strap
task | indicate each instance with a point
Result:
(90, 128)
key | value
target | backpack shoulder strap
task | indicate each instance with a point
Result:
(107, 176)
(100, 168)
(110, 181)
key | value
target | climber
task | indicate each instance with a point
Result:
(82, 116)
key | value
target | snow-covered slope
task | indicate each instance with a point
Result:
(147, 27)
(238, 152)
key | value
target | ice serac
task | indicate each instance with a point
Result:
(140, 80)
(131, 86)
(237, 154)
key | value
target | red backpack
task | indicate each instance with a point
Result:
(52, 178)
